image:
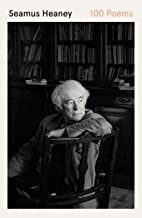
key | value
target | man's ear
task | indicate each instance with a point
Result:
(58, 108)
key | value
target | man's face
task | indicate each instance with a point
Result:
(73, 106)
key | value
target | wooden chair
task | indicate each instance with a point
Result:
(104, 171)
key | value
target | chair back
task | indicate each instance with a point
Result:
(104, 170)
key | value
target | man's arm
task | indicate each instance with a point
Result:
(92, 122)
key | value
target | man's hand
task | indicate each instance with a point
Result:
(56, 133)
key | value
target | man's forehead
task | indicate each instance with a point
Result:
(72, 95)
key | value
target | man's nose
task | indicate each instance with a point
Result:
(75, 106)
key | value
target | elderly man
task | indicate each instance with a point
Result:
(72, 120)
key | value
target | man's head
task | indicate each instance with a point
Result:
(70, 98)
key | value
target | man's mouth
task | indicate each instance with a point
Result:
(75, 114)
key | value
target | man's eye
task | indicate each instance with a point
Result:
(80, 99)
(69, 102)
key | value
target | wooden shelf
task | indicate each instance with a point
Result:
(76, 63)
(129, 43)
(83, 42)
(121, 65)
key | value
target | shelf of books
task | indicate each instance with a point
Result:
(76, 51)
(29, 50)
(120, 55)
(31, 40)
(94, 53)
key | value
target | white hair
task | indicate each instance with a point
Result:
(67, 87)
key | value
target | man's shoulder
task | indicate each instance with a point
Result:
(51, 121)
(51, 118)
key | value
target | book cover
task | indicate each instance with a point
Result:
(97, 43)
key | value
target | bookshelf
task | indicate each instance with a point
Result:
(29, 47)
(77, 48)
(99, 54)
(119, 60)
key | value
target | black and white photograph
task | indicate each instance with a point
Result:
(70, 112)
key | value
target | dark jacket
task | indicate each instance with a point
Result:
(28, 159)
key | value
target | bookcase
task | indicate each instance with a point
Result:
(99, 54)
(119, 57)
(76, 51)
(55, 51)
(29, 50)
